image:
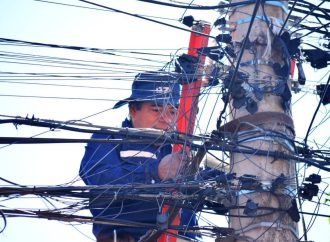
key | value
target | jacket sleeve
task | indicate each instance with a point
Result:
(101, 164)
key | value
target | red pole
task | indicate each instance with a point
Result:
(188, 105)
(190, 92)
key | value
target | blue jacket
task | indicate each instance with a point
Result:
(109, 164)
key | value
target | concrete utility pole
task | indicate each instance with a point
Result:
(261, 120)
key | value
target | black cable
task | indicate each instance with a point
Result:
(144, 18)
(310, 12)
(63, 85)
(240, 56)
(58, 60)
(275, 154)
(318, 16)
(300, 206)
(213, 144)
(316, 111)
(111, 52)
(313, 29)
(316, 214)
(98, 9)
(4, 221)
(57, 97)
(229, 5)
(10, 182)
(316, 30)
(316, 211)
(74, 218)
(287, 17)
(69, 5)
(308, 4)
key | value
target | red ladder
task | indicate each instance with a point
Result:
(188, 107)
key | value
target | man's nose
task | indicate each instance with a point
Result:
(168, 116)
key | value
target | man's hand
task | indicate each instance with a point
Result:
(171, 165)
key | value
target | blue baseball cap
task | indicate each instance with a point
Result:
(161, 88)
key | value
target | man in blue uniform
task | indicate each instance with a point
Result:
(152, 104)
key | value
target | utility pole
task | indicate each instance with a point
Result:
(259, 105)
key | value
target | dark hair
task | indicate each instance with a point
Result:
(136, 104)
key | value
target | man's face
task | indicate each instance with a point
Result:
(154, 116)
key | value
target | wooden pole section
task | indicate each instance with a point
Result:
(259, 106)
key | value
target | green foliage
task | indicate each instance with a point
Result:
(326, 201)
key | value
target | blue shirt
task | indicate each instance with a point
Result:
(109, 164)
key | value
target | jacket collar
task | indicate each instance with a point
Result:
(127, 123)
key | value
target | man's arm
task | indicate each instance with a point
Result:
(101, 165)
(170, 166)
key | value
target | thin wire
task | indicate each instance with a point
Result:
(219, 6)
(98, 9)
(240, 56)
(316, 111)
(144, 18)
(287, 17)
(310, 12)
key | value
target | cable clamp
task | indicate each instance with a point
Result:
(266, 186)
(261, 18)
(283, 142)
(256, 62)
(276, 225)
(244, 192)
(279, 4)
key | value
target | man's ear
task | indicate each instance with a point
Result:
(132, 111)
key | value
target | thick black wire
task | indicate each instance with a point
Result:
(317, 30)
(170, 137)
(111, 52)
(318, 16)
(287, 17)
(144, 18)
(64, 85)
(311, 11)
(275, 154)
(219, 6)
(240, 56)
(315, 113)
(58, 97)
(300, 206)
(316, 211)
(99, 9)
(36, 58)
(4, 221)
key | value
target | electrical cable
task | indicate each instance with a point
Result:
(144, 18)
(315, 113)
(98, 9)
(320, 155)
(310, 12)
(4, 221)
(239, 58)
(287, 17)
(229, 5)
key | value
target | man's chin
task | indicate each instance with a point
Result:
(164, 127)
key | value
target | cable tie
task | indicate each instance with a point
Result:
(256, 62)
(276, 225)
(279, 4)
(261, 18)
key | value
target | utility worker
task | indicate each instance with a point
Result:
(152, 104)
